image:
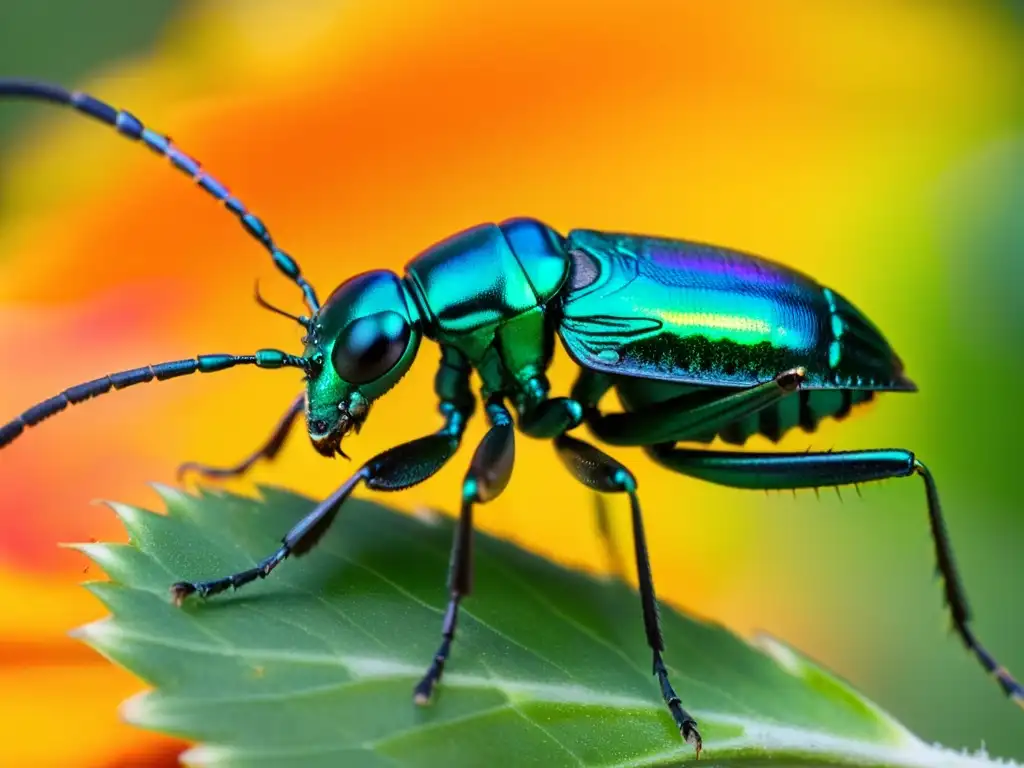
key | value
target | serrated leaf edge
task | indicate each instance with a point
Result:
(760, 738)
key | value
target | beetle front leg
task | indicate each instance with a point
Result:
(488, 474)
(813, 470)
(599, 471)
(400, 467)
(268, 450)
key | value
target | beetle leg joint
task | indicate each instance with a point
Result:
(790, 381)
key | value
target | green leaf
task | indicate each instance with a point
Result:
(315, 666)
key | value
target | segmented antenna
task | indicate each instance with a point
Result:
(130, 126)
(264, 358)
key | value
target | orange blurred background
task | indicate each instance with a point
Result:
(865, 143)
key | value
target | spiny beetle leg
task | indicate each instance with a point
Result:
(183, 589)
(267, 451)
(299, 540)
(488, 474)
(599, 471)
(810, 470)
(400, 467)
(688, 416)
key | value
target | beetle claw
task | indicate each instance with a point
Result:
(692, 737)
(180, 591)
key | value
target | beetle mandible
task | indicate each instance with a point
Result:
(697, 341)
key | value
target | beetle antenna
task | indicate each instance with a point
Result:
(131, 127)
(264, 358)
(303, 321)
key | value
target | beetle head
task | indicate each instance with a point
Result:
(360, 343)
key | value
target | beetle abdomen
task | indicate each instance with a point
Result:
(678, 311)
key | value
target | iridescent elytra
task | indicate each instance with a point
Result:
(698, 342)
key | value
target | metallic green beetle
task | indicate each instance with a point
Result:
(698, 342)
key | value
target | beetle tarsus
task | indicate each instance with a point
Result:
(692, 737)
(180, 591)
(183, 589)
(425, 688)
(684, 721)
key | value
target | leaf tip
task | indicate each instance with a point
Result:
(102, 635)
(146, 710)
(136, 710)
(204, 755)
(780, 653)
(96, 551)
(171, 495)
(127, 514)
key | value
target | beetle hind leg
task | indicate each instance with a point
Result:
(809, 470)
(599, 471)
(685, 417)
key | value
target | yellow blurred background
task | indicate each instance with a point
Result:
(878, 146)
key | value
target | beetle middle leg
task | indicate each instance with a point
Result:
(488, 474)
(599, 471)
(267, 451)
(812, 470)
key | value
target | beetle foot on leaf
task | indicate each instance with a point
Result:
(425, 689)
(692, 737)
(791, 380)
(180, 591)
(423, 693)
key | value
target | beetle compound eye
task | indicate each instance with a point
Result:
(370, 346)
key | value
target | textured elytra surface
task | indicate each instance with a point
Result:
(692, 313)
(316, 665)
